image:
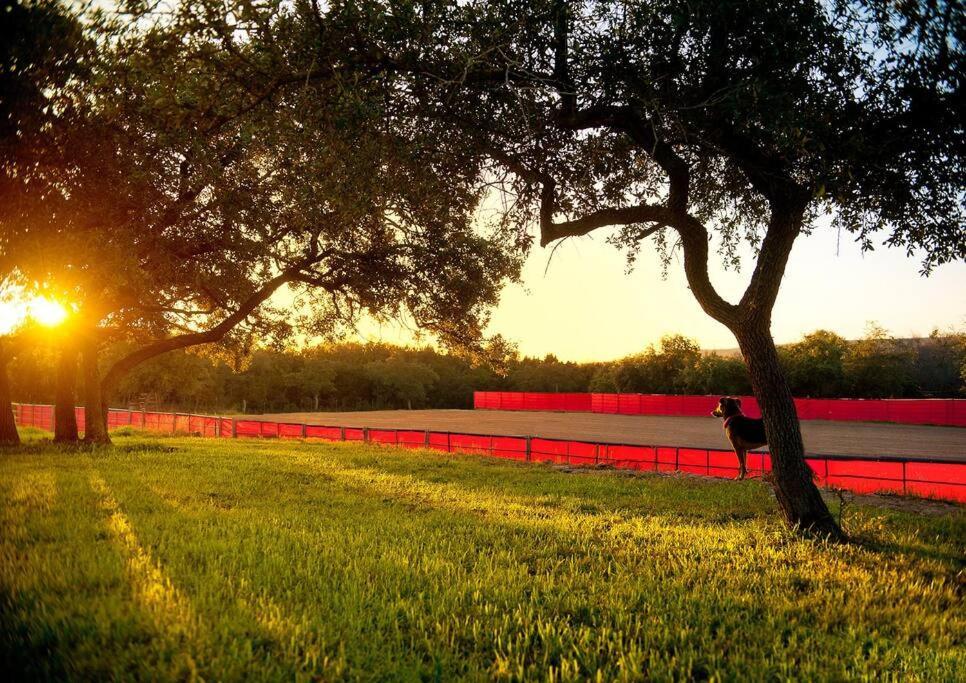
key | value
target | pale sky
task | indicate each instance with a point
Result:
(585, 307)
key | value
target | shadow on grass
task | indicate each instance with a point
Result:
(534, 486)
(50, 447)
(26, 654)
(522, 543)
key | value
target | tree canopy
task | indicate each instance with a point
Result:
(686, 121)
(191, 183)
(347, 147)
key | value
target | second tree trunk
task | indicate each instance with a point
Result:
(65, 416)
(9, 436)
(798, 497)
(95, 408)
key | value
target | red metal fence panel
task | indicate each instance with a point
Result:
(353, 434)
(290, 431)
(411, 438)
(320, 432)
(950, 412)
(918, 476)
(439, 441)
(511, 447)
(549, 450)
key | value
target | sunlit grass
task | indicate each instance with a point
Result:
(175, 558)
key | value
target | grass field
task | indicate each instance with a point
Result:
(175, 558)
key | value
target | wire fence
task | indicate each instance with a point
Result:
(926, 477)
(927, 411)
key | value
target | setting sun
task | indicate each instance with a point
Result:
(44, 311)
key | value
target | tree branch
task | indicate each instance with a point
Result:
(694, 239)
(181, 341)
(642, 131)
(784, 226)
(694, 235)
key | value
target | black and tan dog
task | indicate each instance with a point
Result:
(744, 433)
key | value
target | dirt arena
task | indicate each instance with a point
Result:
(821, 437)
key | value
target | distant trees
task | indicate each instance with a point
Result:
(714, 374)
(676, 366)
(940, 365)
(353, 376)
(815, 365)
(549, 374)
(879, 365)
(400, 382)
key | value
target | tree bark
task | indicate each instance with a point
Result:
(65, 416)
(95, 407)
(798, 497)
(9, 436)
(749, 320)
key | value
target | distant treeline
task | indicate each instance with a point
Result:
(353, 376)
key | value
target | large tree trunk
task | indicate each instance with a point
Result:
(95, 407)
(9, 436)
(65, 416)
(798, 497)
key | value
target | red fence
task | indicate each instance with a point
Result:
(917, 476)
(930, 411)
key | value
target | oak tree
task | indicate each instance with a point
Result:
(183, 196)
(689, 123)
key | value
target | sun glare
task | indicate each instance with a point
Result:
(44, 311)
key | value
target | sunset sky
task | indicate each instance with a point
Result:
(587, 308)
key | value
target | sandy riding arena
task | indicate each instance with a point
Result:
(821, 437)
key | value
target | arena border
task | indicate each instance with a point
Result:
(949, 412)
(919, 476)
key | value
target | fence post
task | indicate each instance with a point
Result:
(528, 449)
(234, 428)
(218, 427)
(365, 435)
(303, 430)
(676, 458)
(174, 422)
(342, 433)
(449, 445)
(426, 438)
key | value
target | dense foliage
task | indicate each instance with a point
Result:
(345, 147)
(353, 376)
(172, 181)
(681, 124)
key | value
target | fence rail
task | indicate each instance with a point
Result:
(927, 411)
(914, 476)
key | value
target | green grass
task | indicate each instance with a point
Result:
(171, 558)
